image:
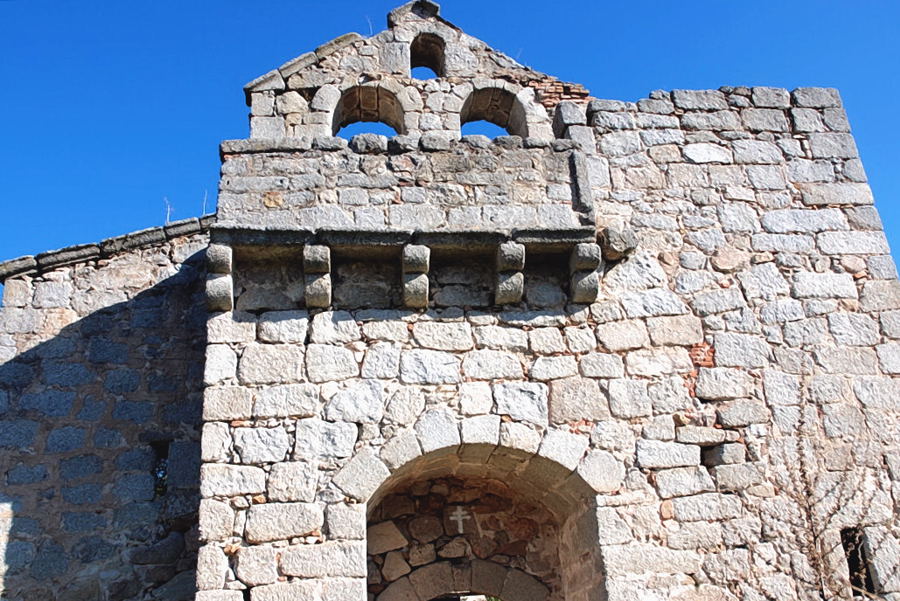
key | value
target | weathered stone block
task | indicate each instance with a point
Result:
(281, 521)
(329, 559)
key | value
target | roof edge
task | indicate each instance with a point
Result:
(105, 248)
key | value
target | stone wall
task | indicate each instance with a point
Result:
(100, 374)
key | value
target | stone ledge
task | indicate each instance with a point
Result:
(395, 144)
(463, 239)
(106, 248)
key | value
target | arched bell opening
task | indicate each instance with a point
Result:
(426, 54)
(368, 104)
(479, 520)
(498, 106)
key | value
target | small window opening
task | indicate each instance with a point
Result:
(483, 128)
(426, 51)
(854, 551)
(160, 466)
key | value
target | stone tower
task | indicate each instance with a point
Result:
(628, 351)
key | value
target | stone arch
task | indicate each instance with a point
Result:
(476, 577)
(376, 102)
(570, 535)
(511, 107)
(428, 50)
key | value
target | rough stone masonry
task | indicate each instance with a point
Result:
(629, 351)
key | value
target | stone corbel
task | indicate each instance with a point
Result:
(584, 267)
(317, 275)
(219, 285)
(510, 279)
(416, 262)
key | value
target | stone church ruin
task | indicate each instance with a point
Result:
(630, 351)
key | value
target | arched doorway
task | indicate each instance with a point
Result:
(483, 521)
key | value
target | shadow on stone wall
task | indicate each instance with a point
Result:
(87, 418)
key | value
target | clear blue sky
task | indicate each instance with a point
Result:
(108, 109)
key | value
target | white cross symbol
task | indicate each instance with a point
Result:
(459, 516)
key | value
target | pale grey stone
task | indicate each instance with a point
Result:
(707, 153)
(699, 99)
(437, 429)
(490, 364)
(574, 399)
(212, 567)
(382, 361)
(292, 481)
(832, 145)
(703, 436)
(623, 561)
(325, 362)
(726, 453)
(553, 368)
(316, 439)
(419, 366)
(526, 401)
(738, 217)
(652, 303)
(227, 403)
(723, 383)
(328, 559)
(497, 337)
(271, 363)
(658, 361)
(547, 341)
(738, 476)
(235, 326)
(405, 405)
(452, 336)
(281, 521)
(836, 194)
(623, 335)
(781, 388)
(261, 445)
(221, 364)
(481, 429)
(300, 400)
(679, 330)
(741, 350)
(742, 412)
(283, 326)
(346, 521)
(218, 480)
(334, 327)
(852, 243)
(880, 296)
(718, 301)
(563, 447)
(361, 402)
(707, 506)
(216, 520)
(786, 221)
(601, 365)
(781, 311)
(824, 285)
(519, 436)
(602, 471)
(763, 281)
(362, 475)
(257, 565)
(889, 357)
(659, 454)
(628, 398)
(853, 329)
(683, 481)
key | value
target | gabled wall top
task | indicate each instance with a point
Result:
(352, 78)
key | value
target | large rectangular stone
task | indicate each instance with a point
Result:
(836, 194)
(329, 559)
(659, 454)
(282, 521)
